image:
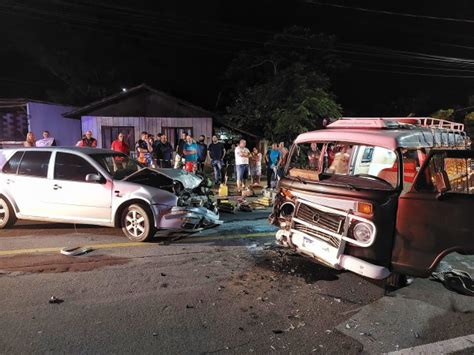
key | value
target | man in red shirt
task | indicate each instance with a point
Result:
(119, 145)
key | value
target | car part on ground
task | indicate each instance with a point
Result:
(75, 251)
(456, 280)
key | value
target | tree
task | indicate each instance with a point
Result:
(282, 89)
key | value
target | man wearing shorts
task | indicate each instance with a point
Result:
(190, 154)
(242, 155)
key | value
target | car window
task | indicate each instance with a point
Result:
(72, 167)
(34, 164)
(11, 167)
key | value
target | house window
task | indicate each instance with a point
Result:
(174, 133)
(110, 133)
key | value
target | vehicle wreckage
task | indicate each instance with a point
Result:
(378, 196)
(101, 187)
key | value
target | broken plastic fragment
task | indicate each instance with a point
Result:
(54, 300)
(75, 251)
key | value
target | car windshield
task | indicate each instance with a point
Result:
(118, 165)
(356, 165)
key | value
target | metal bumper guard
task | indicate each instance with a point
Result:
(189, 219)
(327, 252)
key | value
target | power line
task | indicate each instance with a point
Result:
(418, 74)
(384, 12)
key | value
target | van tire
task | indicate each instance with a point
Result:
(7, 215)
(395, 281)
(137, 223)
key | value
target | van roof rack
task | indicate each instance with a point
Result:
(395, 122)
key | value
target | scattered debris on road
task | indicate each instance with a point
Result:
(76, 251)
(456, 280)
(55, 300)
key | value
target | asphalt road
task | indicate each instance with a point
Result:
(224, 290)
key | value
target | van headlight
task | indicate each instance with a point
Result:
(362, 232)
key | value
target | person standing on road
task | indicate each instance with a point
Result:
(216, 152)
(30, 140)
(144, 150)
(87, 141)
(190, 154)
(201, 153)
(119, 144)
(255, 166)
(163, 152)
(242, 155)
(283, 158)
(272, 158)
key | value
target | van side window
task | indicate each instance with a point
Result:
(11, 167)
(72, 167)
(460, 172)
(34, 164)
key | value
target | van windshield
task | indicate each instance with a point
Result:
(356, 165)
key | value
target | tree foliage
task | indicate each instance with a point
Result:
(283, 89)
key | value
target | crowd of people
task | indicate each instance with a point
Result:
(228, 161)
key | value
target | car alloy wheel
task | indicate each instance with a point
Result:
(137, 224)
(7, 217)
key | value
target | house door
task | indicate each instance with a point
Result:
(110, 133)
(432, 224)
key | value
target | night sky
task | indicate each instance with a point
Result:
(397, 51)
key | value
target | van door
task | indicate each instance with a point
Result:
(435, 217)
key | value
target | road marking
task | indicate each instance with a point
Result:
(196, 239)
(441, 347)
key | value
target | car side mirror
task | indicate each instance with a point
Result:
(93, 178)
(442, 184)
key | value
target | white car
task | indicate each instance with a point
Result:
(100, 187)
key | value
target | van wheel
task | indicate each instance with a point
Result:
(395, 281)
(137, 224)
(7, 216)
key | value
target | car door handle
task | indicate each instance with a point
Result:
(10, 181)
(56, 187)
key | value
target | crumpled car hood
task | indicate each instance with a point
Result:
(189, 180)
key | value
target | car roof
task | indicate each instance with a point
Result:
(83, 150)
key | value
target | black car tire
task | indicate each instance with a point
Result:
(7, 215)
(137, 223)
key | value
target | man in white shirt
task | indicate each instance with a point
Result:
(241, 164)
(47, 140)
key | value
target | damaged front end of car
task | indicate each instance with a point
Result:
(195, 209)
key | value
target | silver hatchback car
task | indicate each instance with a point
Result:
(95, 186)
